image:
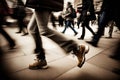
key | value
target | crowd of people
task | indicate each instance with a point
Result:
(38, 25)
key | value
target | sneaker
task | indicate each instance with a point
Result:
(38, 64)
(80, 54)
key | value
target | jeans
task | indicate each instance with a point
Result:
(68, 23)
(42, 18)
(102, 22)
(33, 30)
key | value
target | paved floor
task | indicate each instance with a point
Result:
(98, 65)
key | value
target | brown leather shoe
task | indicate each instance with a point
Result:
(38, 64)
(80, 54)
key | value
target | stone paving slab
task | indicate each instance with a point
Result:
(88, 72)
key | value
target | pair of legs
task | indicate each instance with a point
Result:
(86, 24)
(42, 18)
(68, 23)
(22, 26)
(103, 20)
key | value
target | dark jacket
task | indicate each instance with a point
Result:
(111, 7)
(87, 6)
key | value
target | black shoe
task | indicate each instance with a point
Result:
(76, 33)
(25, 34)
(80, 38)
(109, 37)
(92, 43)
(18, 32)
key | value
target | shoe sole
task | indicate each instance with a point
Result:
(83, 60)
(35, 68)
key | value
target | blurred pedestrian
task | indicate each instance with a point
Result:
(42, 14)
(87, 15)
(109, 11)
(4, 11)
(19, 13)
(69, 20)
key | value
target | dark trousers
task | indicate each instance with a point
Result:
(86, 24)
(21, 24)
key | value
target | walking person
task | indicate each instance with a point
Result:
(41, 17)
(4, 11)
(19, 13)
(69, 20)
(109, 11)
(87, 15)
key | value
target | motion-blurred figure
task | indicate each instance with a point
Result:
(4, 11)
(109, 11)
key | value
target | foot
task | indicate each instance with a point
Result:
(38, 64)
(18, 32)
(92, 43)
(80, 54)
(75, 33)
(80, 38)
(109, 37)
(25, 34)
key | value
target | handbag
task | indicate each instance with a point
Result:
(53, 5)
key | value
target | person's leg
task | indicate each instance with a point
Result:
(40, 53)
(69, 24)
(111, 29)
(33, 29)
(83, 31)
(88, 27)
(103, 20)
(7, 37)
(22, 26)
(67, 44)
(19, 26)
(66, 26)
